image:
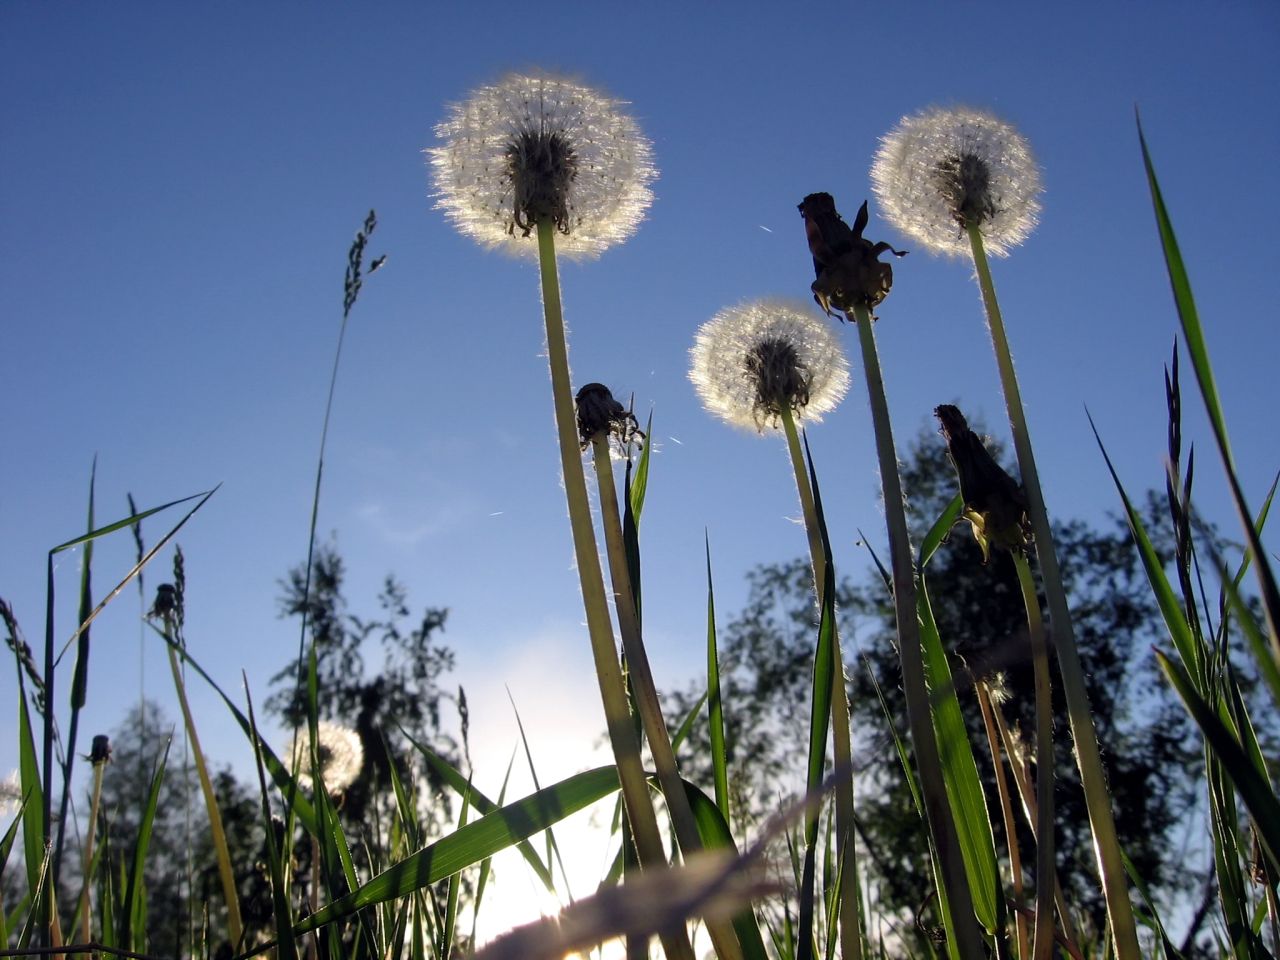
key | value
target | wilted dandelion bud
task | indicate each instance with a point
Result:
(100, 751)
(994, 503)
(599, 412)
(752, 361)
(339, 750)
(848, 267)
(538, 147)
(166, 602)
(942, 170)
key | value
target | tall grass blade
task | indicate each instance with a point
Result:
(552, 848)
(479, 839)
(33, 803)
(486, 865)
(715, 707)
(1258, 796)
(686, 725)
(1198, 349)
(133, 918)
(285, 944)
(451, 907)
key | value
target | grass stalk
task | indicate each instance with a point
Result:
(1006, 812)
(99, 766)
(841, 737)
(1092, 778)
(235, 926)
(968, 940)
(622, 737)
(1045, 863)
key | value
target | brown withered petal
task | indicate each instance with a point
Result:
(599, 412)
(994, 503)
(847, 266)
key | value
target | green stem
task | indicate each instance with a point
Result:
(1006, 812)
(1092, 779)
(622, 736)
(938, 814)
(1045, 865)
(223, 856)
(646, 693)
(841, 739)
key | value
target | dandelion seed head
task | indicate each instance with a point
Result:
(340, 752)
(750, 359)
(943, 168)
(538, 146)
(10, 795)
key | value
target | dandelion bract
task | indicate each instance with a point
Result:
(535, 146)
(750, 359)
(942, 169)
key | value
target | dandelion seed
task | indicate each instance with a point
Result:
(339, 750)
(753, 360)
(537, 146)
(941, 170)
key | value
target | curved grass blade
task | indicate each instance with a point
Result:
(286, 947)
(133, 920)
(481, 838)
(1199, 352)
(1258, 797)
(715, 707)
(686, 725)
(454, 779)
(938, 533)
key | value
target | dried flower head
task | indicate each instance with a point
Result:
(994, 503)
(753, 360)
(942, 169)
(534, 147)
(339, 751)
(847, 265)
(100, 752)
(599, 412)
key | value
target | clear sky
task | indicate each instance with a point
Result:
(179, 185)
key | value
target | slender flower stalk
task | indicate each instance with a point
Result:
(962, 182)
(996, 508)
(1006, 812)
(850, 279)
(99, 757)
(600, 418)
(537, 155)
(763, 364)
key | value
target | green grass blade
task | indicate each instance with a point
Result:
(486, 865)
(960, 774)
(479, 839)
(451, 907)
(640, 482)
(686, 725)
(713, 829)
(33, 813)
(1198, 349)
(938, 532)
(286, 946)
(1152, 917)
(1258, 797)
(6, 847)
(302, 808)
(903, 756)
(454, 779)
(1175, 618)
(715, 707)
(133, 929)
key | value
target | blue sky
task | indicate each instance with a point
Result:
(179, 186)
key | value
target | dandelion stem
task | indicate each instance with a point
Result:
(1006, 811)
(646, 693)
(841, 742)
(1092, 779)
(99, 766)
(622, 736)
(938, 815)
(1045, 864)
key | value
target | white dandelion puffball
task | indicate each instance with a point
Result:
(536, 146)
(341, 755)
(751, 359)
(941, 169)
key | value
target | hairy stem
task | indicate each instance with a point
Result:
(1006, 812)
(841, 739)
(622, 736)
(1092, 778)
(938, 813)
